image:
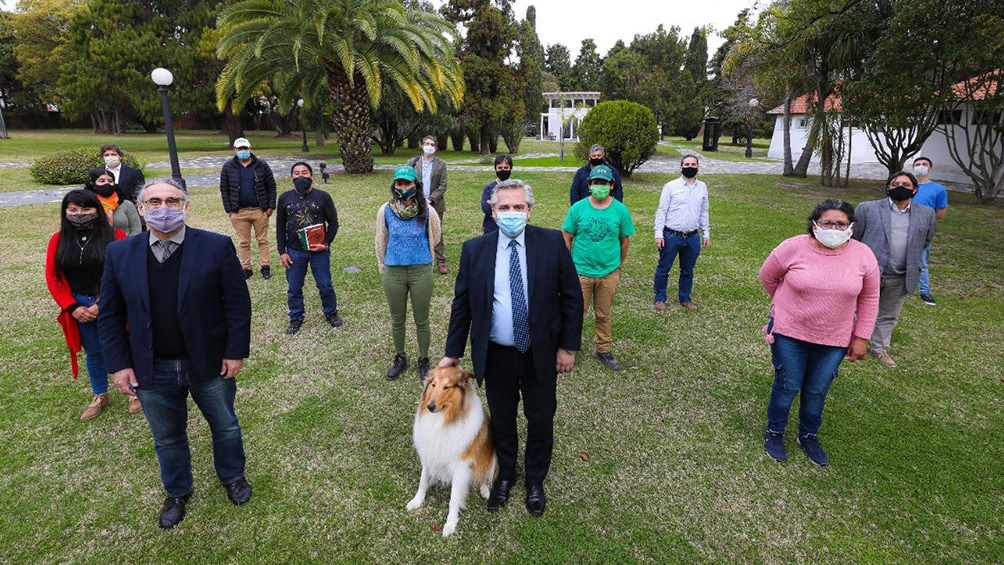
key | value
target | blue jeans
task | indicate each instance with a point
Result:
(800, 365)
(320, 267)
(925, 280)
(92, 348)
(688, 249)
(165, 405)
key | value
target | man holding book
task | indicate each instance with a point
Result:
(306, 224)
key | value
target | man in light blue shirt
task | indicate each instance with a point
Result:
(932, 195)
(681, 228)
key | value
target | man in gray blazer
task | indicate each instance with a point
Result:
(897, 231)
(432, 171)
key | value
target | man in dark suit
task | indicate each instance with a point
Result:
(432, 170)
(897, 230)
(175, 320)
(128, 179)
(518, 297)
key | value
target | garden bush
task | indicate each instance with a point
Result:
(70, 166)
(626, 129)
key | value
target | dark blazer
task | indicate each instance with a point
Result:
(873, 227)
(580, 184)
(131, 180)
(436, 192)
(214, 307)
(554, 305)
(230, 184)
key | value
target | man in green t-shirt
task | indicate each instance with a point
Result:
(596, 231)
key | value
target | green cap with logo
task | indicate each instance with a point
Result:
(405, 172)
(602, 172)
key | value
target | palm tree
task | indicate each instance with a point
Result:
(342, 49)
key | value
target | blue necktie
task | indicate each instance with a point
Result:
(520, 327)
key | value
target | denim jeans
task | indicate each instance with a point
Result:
(688, 249)
(925, 279)
(92, 348)
(800, 365)
(165, 405)
(320, 267)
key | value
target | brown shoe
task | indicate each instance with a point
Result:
(135, 405)
(689, 306)
(660, 306)
(442, 269)
(884, 358)
(94, 409)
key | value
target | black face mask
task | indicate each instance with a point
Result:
(302, 185)
(503, 175)
(689, 172)
(596, 162)
(82, 222)
(105, 190)
(899, 193)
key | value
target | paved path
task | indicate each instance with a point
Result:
(280, 166)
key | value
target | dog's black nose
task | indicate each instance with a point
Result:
(432, 407)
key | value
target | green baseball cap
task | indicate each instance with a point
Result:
(602, 172)
(406, 173)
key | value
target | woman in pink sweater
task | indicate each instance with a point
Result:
(824, 290)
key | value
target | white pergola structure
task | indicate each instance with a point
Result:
(564, 111)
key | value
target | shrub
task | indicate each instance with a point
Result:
(626, 129)
(70, 166)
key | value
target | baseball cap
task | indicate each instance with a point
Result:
(405, 172)
(241, 142)
(602, 172)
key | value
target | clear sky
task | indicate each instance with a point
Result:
(605, 21)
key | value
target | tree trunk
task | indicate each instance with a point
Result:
(319, 139)
(485, 132)
(801, 169)
(232, 123)
(788, 169)
(350, 121)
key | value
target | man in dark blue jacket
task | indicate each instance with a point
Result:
(248, 190)
(175, 319)
(525, 325)
(580, 183)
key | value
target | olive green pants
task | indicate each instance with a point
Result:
(398, 283)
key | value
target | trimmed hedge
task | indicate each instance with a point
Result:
(70, 166)
(626, 129)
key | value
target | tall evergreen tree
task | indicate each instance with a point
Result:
(587, 68)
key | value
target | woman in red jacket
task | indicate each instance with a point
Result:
(74, 263)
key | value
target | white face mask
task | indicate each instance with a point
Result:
(112, 161)
(429, 149)
(832, 238)
(921, 171)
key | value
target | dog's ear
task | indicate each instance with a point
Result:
(465, 376)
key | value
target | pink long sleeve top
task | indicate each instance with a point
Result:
(815, 292)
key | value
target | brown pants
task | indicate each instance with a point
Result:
(244, 220)
(601, 291)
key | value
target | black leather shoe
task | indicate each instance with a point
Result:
(535, 500)
(423, 368)
(266, 272)
(400, 364)
(173, 511)
(294, 326)
(239, 491)
(499, 495)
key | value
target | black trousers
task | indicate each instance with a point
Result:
(508, 375)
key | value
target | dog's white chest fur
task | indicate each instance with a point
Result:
(440, 446)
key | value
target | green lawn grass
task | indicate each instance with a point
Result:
(661, 463)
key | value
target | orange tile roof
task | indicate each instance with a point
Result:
(800, 105)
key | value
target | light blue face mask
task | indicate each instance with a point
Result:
(511, 223)
(244, 154)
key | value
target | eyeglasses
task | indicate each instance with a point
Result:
(172, 202)
(827, 225)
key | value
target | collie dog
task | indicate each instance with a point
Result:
(453, 439)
